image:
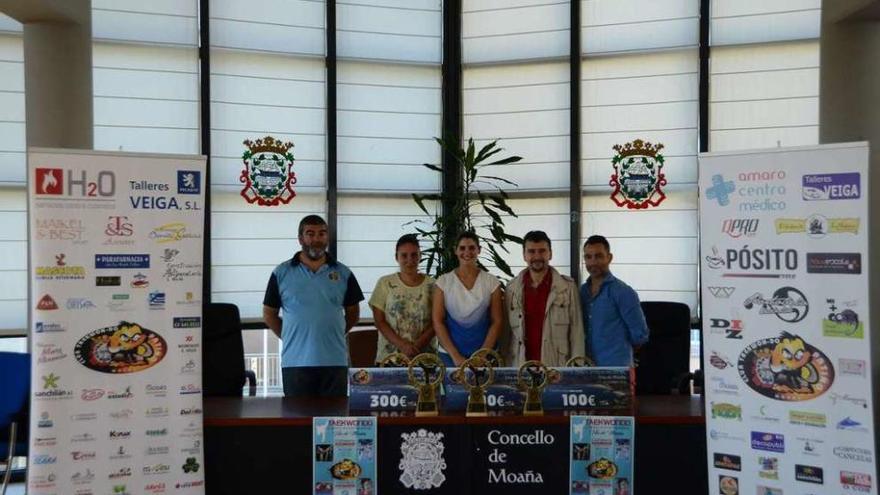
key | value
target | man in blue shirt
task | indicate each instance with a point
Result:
(613, 320)
(313, 290)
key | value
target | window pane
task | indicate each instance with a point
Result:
(764, 96)
(610, 26)
(161, 116)
(495, 31)
(162, 21)
(388, 116)
(526, 108)
(265, 80)
(283, 26)
(13, 200)
(760, 21)
(651, 96)
(12, 112)
(401, 31)
(13, 258)
(136, 42)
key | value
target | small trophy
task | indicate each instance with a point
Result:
(395, 360)
(481, 375)
(433, 372)
(580, 362)
(533, 376)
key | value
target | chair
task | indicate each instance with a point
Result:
(362, 344)
(223, 373)
(15, 382)
(664, 362)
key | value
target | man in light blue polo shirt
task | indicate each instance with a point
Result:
(318, 297)
(613, 319)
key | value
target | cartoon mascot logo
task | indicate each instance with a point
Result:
(786, 368)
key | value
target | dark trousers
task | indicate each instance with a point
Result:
(315, 381)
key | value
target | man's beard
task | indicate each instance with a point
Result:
(538, 266)
(314, 253)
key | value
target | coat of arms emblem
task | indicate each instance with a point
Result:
(638, 175)
(268, 176)
(422, 463)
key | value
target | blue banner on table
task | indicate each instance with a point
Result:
(344, 461)
(602, 453)
(579, 389)
(502, 394)
(589, 388)
(382, 389)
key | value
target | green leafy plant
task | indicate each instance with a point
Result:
(480, 205)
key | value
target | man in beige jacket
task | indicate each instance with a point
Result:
(543, 310)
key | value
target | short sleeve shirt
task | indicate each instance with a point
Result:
(407, 310)
(313, 321)
(467, 306)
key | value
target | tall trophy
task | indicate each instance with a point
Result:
(395, 360)
(433, 371)
(580, 362)
(533, 376)
(481, 375)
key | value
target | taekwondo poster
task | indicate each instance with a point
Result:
(115, 266)
(344, 455)
(785, 263)
(602, 455)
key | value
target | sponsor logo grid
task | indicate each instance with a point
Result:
(785, 320)
(108, 299)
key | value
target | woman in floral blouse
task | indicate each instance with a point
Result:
(401, 304)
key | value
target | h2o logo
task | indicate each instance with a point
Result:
(51, 181)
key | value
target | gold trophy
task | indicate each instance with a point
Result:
(434, 371)
(494, 358)
(533, 376)
(580, 362)
(481, 376)
(395, 360)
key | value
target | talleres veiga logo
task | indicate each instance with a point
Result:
(786, 368)
(123, 348)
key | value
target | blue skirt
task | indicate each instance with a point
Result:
(468, 339)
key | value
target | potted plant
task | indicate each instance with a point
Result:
(480, 205)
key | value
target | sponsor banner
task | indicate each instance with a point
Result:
(575, 390)
(786, 321)
(602, 454)
(384, 389)
(115, 376)
(503, 393)
(344, 455)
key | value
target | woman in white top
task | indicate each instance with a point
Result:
(468, 306)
